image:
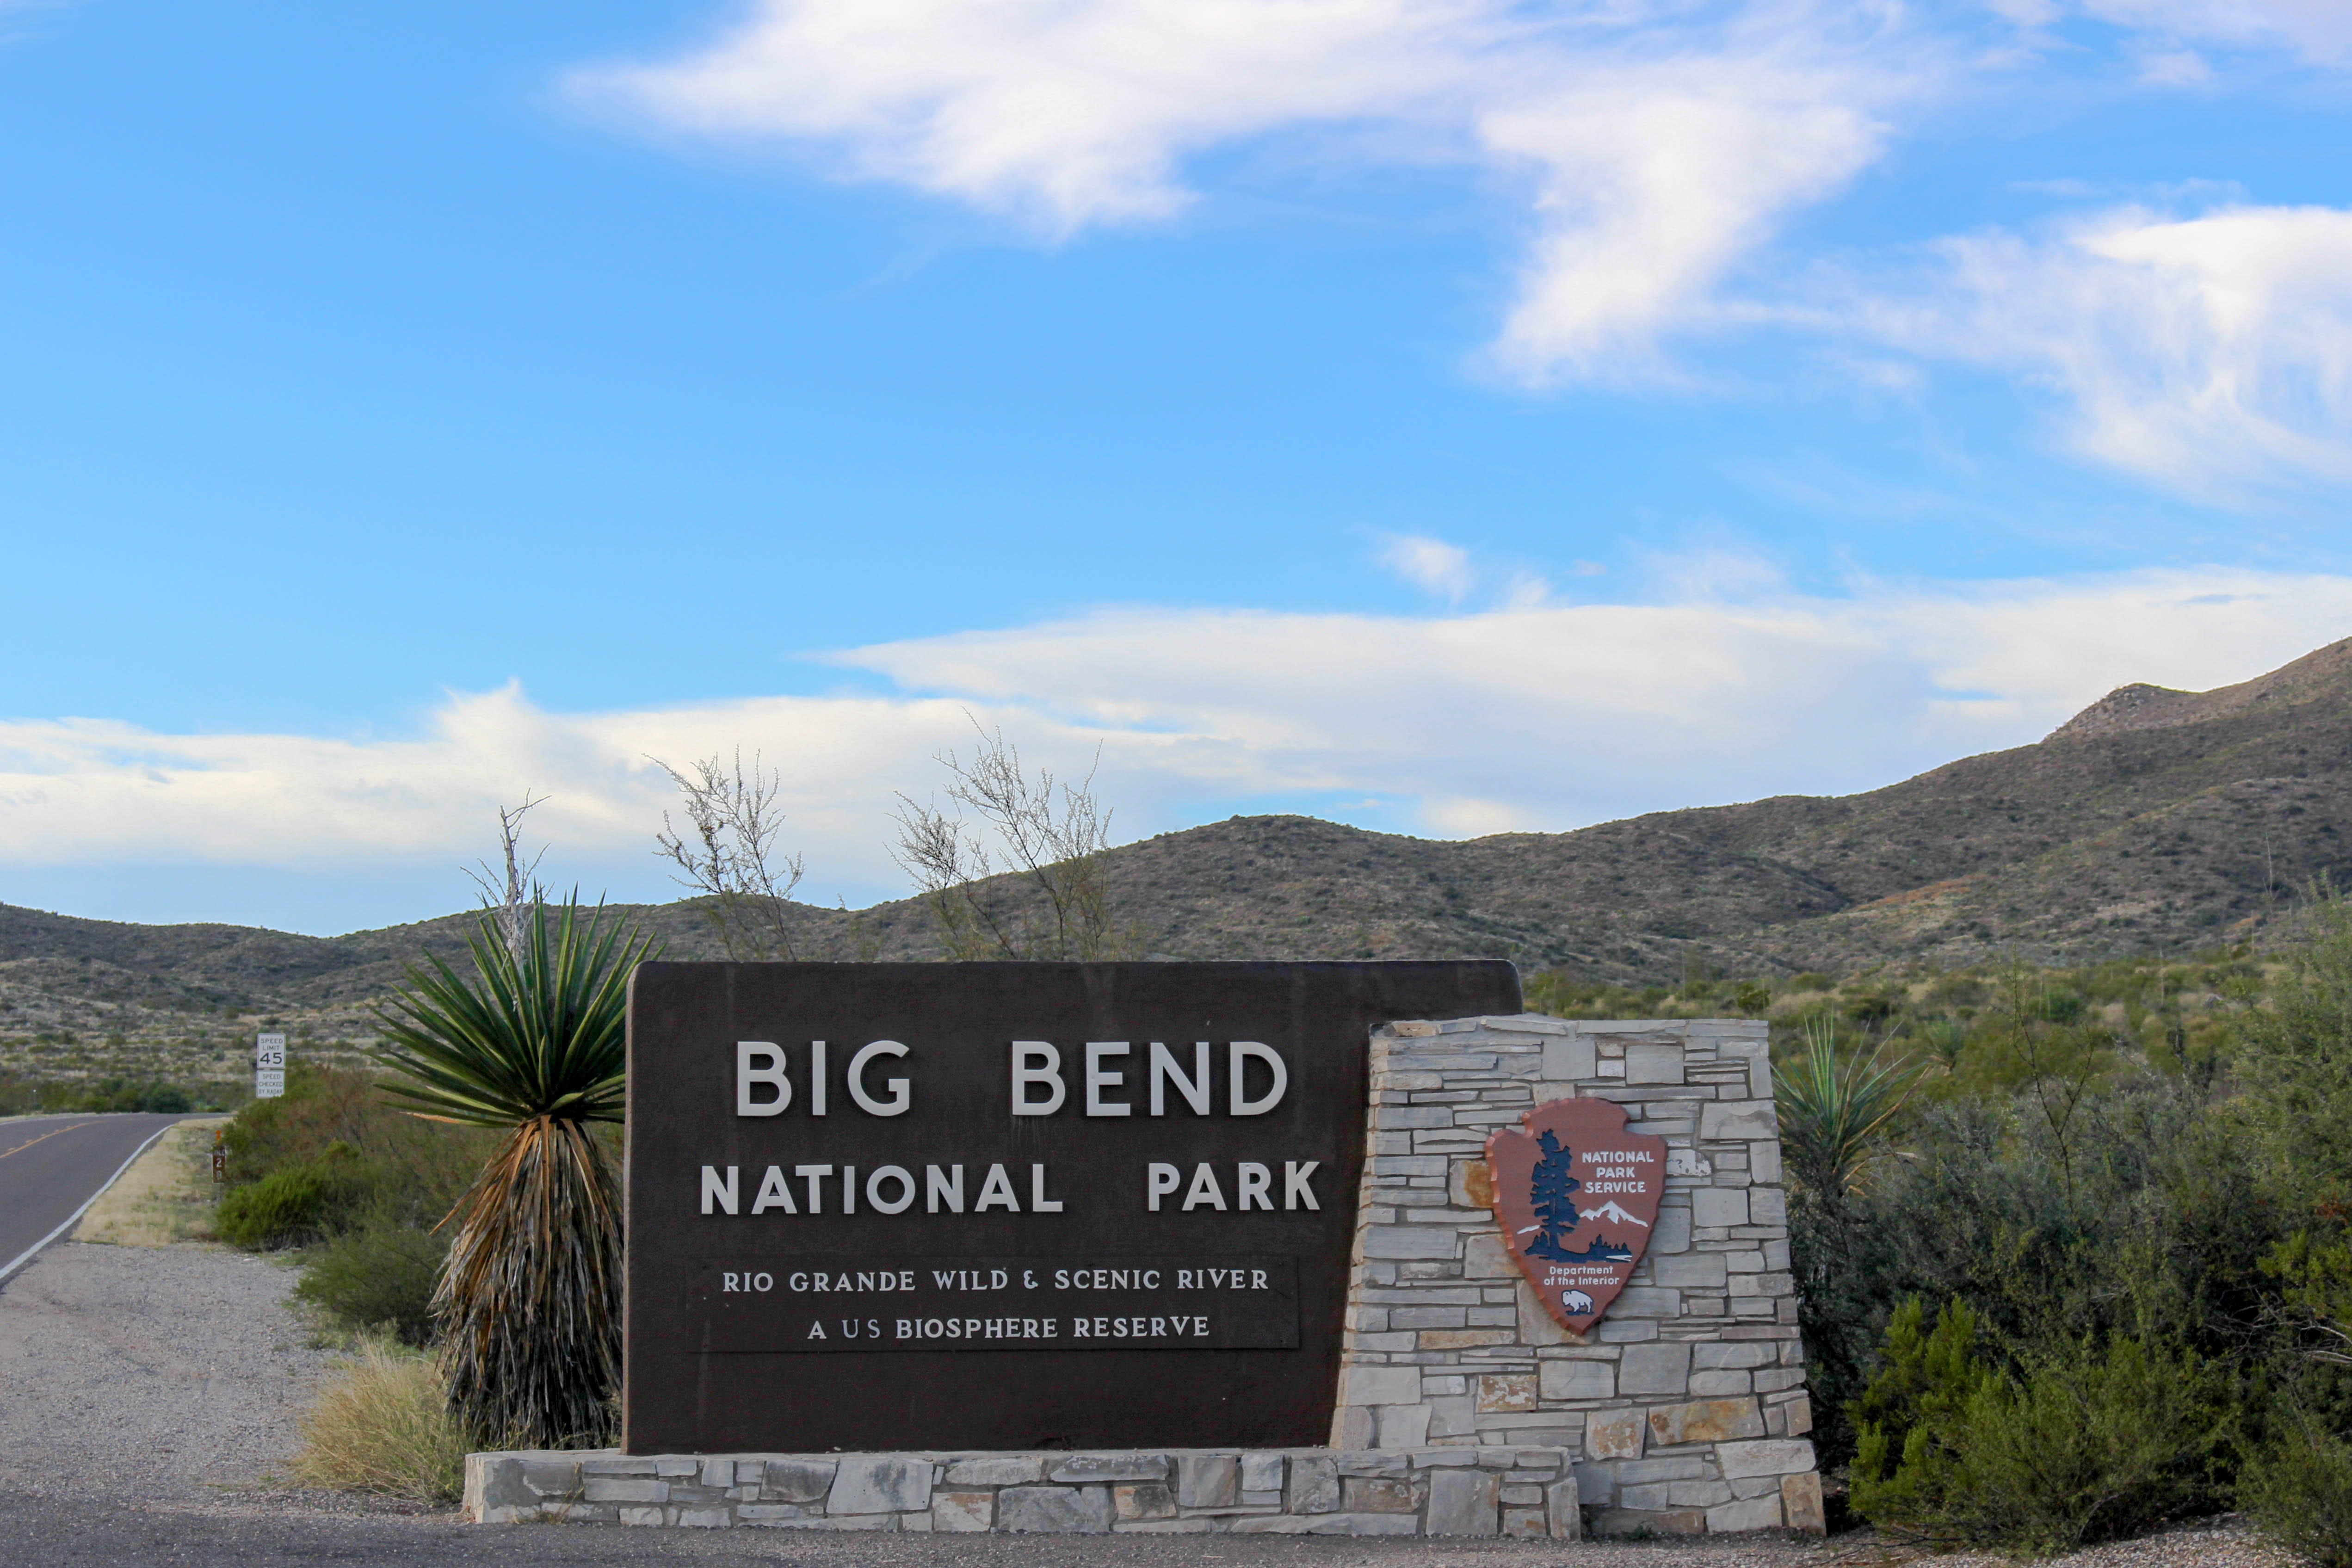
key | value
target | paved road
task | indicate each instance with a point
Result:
(51, 1165)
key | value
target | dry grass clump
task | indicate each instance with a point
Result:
(383, 1425)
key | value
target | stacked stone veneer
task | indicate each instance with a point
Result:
(1686, 1406)
(1291, 1491)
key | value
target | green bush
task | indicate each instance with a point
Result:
(379, 1275)
(2299, 1490)
(2074, 1447)
(297, 1204)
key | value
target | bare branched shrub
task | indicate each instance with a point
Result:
(729, 855)
(1048, 839)
(512, 892)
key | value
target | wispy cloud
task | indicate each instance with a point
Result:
(1541, 717)
(1656, 142)
(2210, 353)
(1430, 563)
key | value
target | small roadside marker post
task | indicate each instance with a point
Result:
(270, 1067)
(220, 1155)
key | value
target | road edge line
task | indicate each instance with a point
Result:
(27, 1256)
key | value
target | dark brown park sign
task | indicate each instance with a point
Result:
(1577, 1198)
(999, 1206)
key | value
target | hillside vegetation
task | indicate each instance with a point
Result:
(2155, 823)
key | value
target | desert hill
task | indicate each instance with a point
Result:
(2153, 821)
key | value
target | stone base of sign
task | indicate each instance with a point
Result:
(1491, 1490)
(1686, 1406)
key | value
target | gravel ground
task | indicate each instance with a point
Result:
(162, 1373)
(147, 1398)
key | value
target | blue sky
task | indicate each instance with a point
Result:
(1444, 417)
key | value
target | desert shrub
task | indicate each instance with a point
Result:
(297, 1204)
(119, 1094)
(2298, 1489)
(2074, 1446)
(380, 1275)
(414, 1167)
(383, 1425)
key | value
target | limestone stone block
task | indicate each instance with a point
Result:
(1208, 1481)
(615, 1465)
(1404, 1425)
(1484, 1257)
(880, 1483)
(1732, 1121)
(764, 1512)
(1647, 1302)
(1696, 1270)
(1563, 1514)
(1764, 1161)
(1464, 1502)
(1704, 1421)
(1578, 1379)
(553, 1478)
(623, 1488)
(1614, 1434)
(717, 1472)
(1355, 1426)
(1455, 1416)
(1768, 1206)
(1470, 1185)
(797, 1481)
(1735, 1352)
(1721, 1384)
(1377, 1494)
(1410, 1241)
(1379, 1386)
(1675, 1467)
(963, 1512)
(1662, 1367)
(1697, 1494)
(1800, 1503)
(1144, 1500)
(642, 1516)
(1720, 1206)
(1653, 1064)
(1766, 1456)
(1635, 1521)
(703, 1519)
(1567, 1056)
(1674, 1230)
(1500, 1391)
(1314, 1484)
(1054, 1510)
(1081, 1469)
(1750, 1513)
(1261, 1472)
(1523, 1523)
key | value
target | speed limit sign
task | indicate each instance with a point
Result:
(268, 1066)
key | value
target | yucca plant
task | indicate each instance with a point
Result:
(529, 1300)
(1834, 1113)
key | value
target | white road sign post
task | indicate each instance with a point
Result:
(270, 1067)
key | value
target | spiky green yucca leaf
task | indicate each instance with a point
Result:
(1834, 1113)
(538, 1031)
(529, 1299)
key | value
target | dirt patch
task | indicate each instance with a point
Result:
(164, 1198)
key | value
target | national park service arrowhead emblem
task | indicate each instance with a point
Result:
(1577, 1196)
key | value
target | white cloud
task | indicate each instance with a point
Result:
(1543, 717)
(2321, 30)
(2210, 353)
(1430, 563)
(1658, 141)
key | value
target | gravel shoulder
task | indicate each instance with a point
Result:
(156, 1372)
